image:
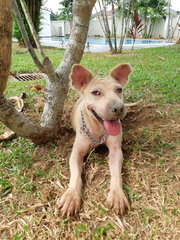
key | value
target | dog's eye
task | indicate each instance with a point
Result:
(96, 93)
(119, 90)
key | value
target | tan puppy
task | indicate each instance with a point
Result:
(96, 119)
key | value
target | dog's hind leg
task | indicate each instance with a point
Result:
(71, 199)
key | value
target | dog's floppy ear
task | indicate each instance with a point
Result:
(80, 76)
(121, 72)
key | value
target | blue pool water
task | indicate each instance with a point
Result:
(103, 41)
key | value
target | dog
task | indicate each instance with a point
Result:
(96, 119)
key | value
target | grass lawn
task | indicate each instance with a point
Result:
(33, 177)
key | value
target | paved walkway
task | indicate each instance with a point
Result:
(102, 48)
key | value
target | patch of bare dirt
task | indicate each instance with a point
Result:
(150, 176)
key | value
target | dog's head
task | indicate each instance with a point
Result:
(103, 97)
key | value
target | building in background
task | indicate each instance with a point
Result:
(45, 23)
(60, 28)
(169, 26)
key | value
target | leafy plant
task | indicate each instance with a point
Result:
(34, 8)
(66, 10)
(101, 232)
(136, 28)
(151, 11)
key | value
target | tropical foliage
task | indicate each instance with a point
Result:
(151, 10)
(66, 10)
(136, 28)
(34, 7)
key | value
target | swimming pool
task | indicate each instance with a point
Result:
(101, 44)
(103, 41)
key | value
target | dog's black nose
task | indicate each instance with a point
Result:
(114, 110)
(117, 110)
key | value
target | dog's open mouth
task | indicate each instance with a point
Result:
(113, 127)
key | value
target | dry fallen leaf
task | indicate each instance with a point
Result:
(37, 88)
(19, 106)
(19, 103)
(7, 135)
(161, 58)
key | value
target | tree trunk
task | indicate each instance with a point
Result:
(107, 26)
(5, 42)
(125, 21)
(34, 8)
(145, 20)
(149, 32)
(122, 35)
(106, 23)
(114, 28)
(46, 67)
(25, 35)
(57, 92)
(57, 81)
(22, 126)
(100, 21)
(145, 25)
(169, 20)
(152, 29)
(31, 26)
(175, 27)
(133, 44)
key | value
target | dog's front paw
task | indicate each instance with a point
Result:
(69, 203)
(117, 201)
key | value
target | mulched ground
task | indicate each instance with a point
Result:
(150, 175)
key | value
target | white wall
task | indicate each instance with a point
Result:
(119, 26)
(95, 29)
(60, 28)
(176, 29)
(45, 24)
(160, 29)
(57, 28)
(67, 27)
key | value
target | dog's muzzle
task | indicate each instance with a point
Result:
(112, 126)
(97, 116)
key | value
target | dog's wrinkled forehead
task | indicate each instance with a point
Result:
(102, 83)
(82, 77)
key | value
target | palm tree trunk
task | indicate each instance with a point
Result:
(31, 26)
(124, 29)
(106, 23)
(169, 19)
(149, 31)
(25, 35)
(100, 21)
(146, 19)
(114, 28)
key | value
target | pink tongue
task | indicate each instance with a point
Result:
(113, 127)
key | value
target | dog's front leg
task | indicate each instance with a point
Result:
(70, 200)
(116, 197)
